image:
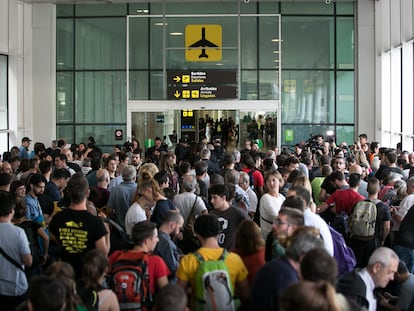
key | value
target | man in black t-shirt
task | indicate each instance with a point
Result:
(75, 229)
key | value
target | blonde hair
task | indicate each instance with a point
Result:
(146, 171)
(304, 182)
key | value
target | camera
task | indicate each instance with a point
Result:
(328, 1)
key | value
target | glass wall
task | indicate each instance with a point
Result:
(317, 59)
(4, 119)
(317, 71)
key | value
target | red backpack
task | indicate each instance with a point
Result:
(130, 281)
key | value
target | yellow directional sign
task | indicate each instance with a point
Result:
(186, 93)
(186, 78)
(177, 79)
(177, 94)
(195, 94)
(203, 43)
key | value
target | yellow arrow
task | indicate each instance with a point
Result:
(177, 79)
(177, 94)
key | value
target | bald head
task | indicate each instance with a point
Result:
(102, 178)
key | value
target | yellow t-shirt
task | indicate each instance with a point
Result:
(189, 265)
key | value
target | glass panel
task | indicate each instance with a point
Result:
(4, 143)
(63, 10)
(103, 134)
(269, 7)
(258, 125)
(140, 9)
(307, 8)
(248, 42)
(3, 93)
(100, 43)
(248, 8)
(249, 85)
(345, 43)
(138, 85)
(345, 134)
(308, 42)
(64, 97)
(307, 97)
(268, 84)
(100, 97)
(152, 124)
(268, 41)
(345, 8)
(157, 43)
(201, 7)
(138, 43)
(157, 85)
(296, 133)
(176, 60)
(66, 131)
(101, 9)
(345, 97)
(64, 44)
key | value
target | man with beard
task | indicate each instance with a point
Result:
(37, 184)
(166, 248)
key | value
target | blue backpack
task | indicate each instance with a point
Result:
(342, 253)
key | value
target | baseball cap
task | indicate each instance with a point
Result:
(26, 139)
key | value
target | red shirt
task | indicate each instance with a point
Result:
(253, 262)
(344, 200)
(157, 268)
(257, 177)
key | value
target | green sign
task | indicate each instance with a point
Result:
(289, 135)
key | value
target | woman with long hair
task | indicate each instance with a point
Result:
(271, 201)
(167, 163)
(250, 246)
(94, 270)
(64, 273)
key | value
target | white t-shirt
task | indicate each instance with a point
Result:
(134, 214)
(269, 209)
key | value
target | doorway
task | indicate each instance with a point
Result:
(233, 127)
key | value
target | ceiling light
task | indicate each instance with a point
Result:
(176, 33)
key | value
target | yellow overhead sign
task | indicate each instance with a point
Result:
(203, 43)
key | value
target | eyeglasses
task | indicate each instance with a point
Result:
(279, 222)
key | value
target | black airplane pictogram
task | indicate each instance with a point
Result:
(203, 43)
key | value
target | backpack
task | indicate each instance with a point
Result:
(213, 287)
(363, 219)
(341, 224)
(343, 254)
(130, 282)
(251, 178)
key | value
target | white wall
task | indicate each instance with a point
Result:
(394, 72)
(31, 50)
(366, 114)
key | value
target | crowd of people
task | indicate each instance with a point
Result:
(197, 227)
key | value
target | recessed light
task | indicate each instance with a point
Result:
(176, 33)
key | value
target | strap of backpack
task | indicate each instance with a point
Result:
(264, 219)
(201, 259)
(11, 260)
(192, 211)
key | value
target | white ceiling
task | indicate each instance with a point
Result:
(182, 1)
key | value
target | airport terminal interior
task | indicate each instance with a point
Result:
(277, 71)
